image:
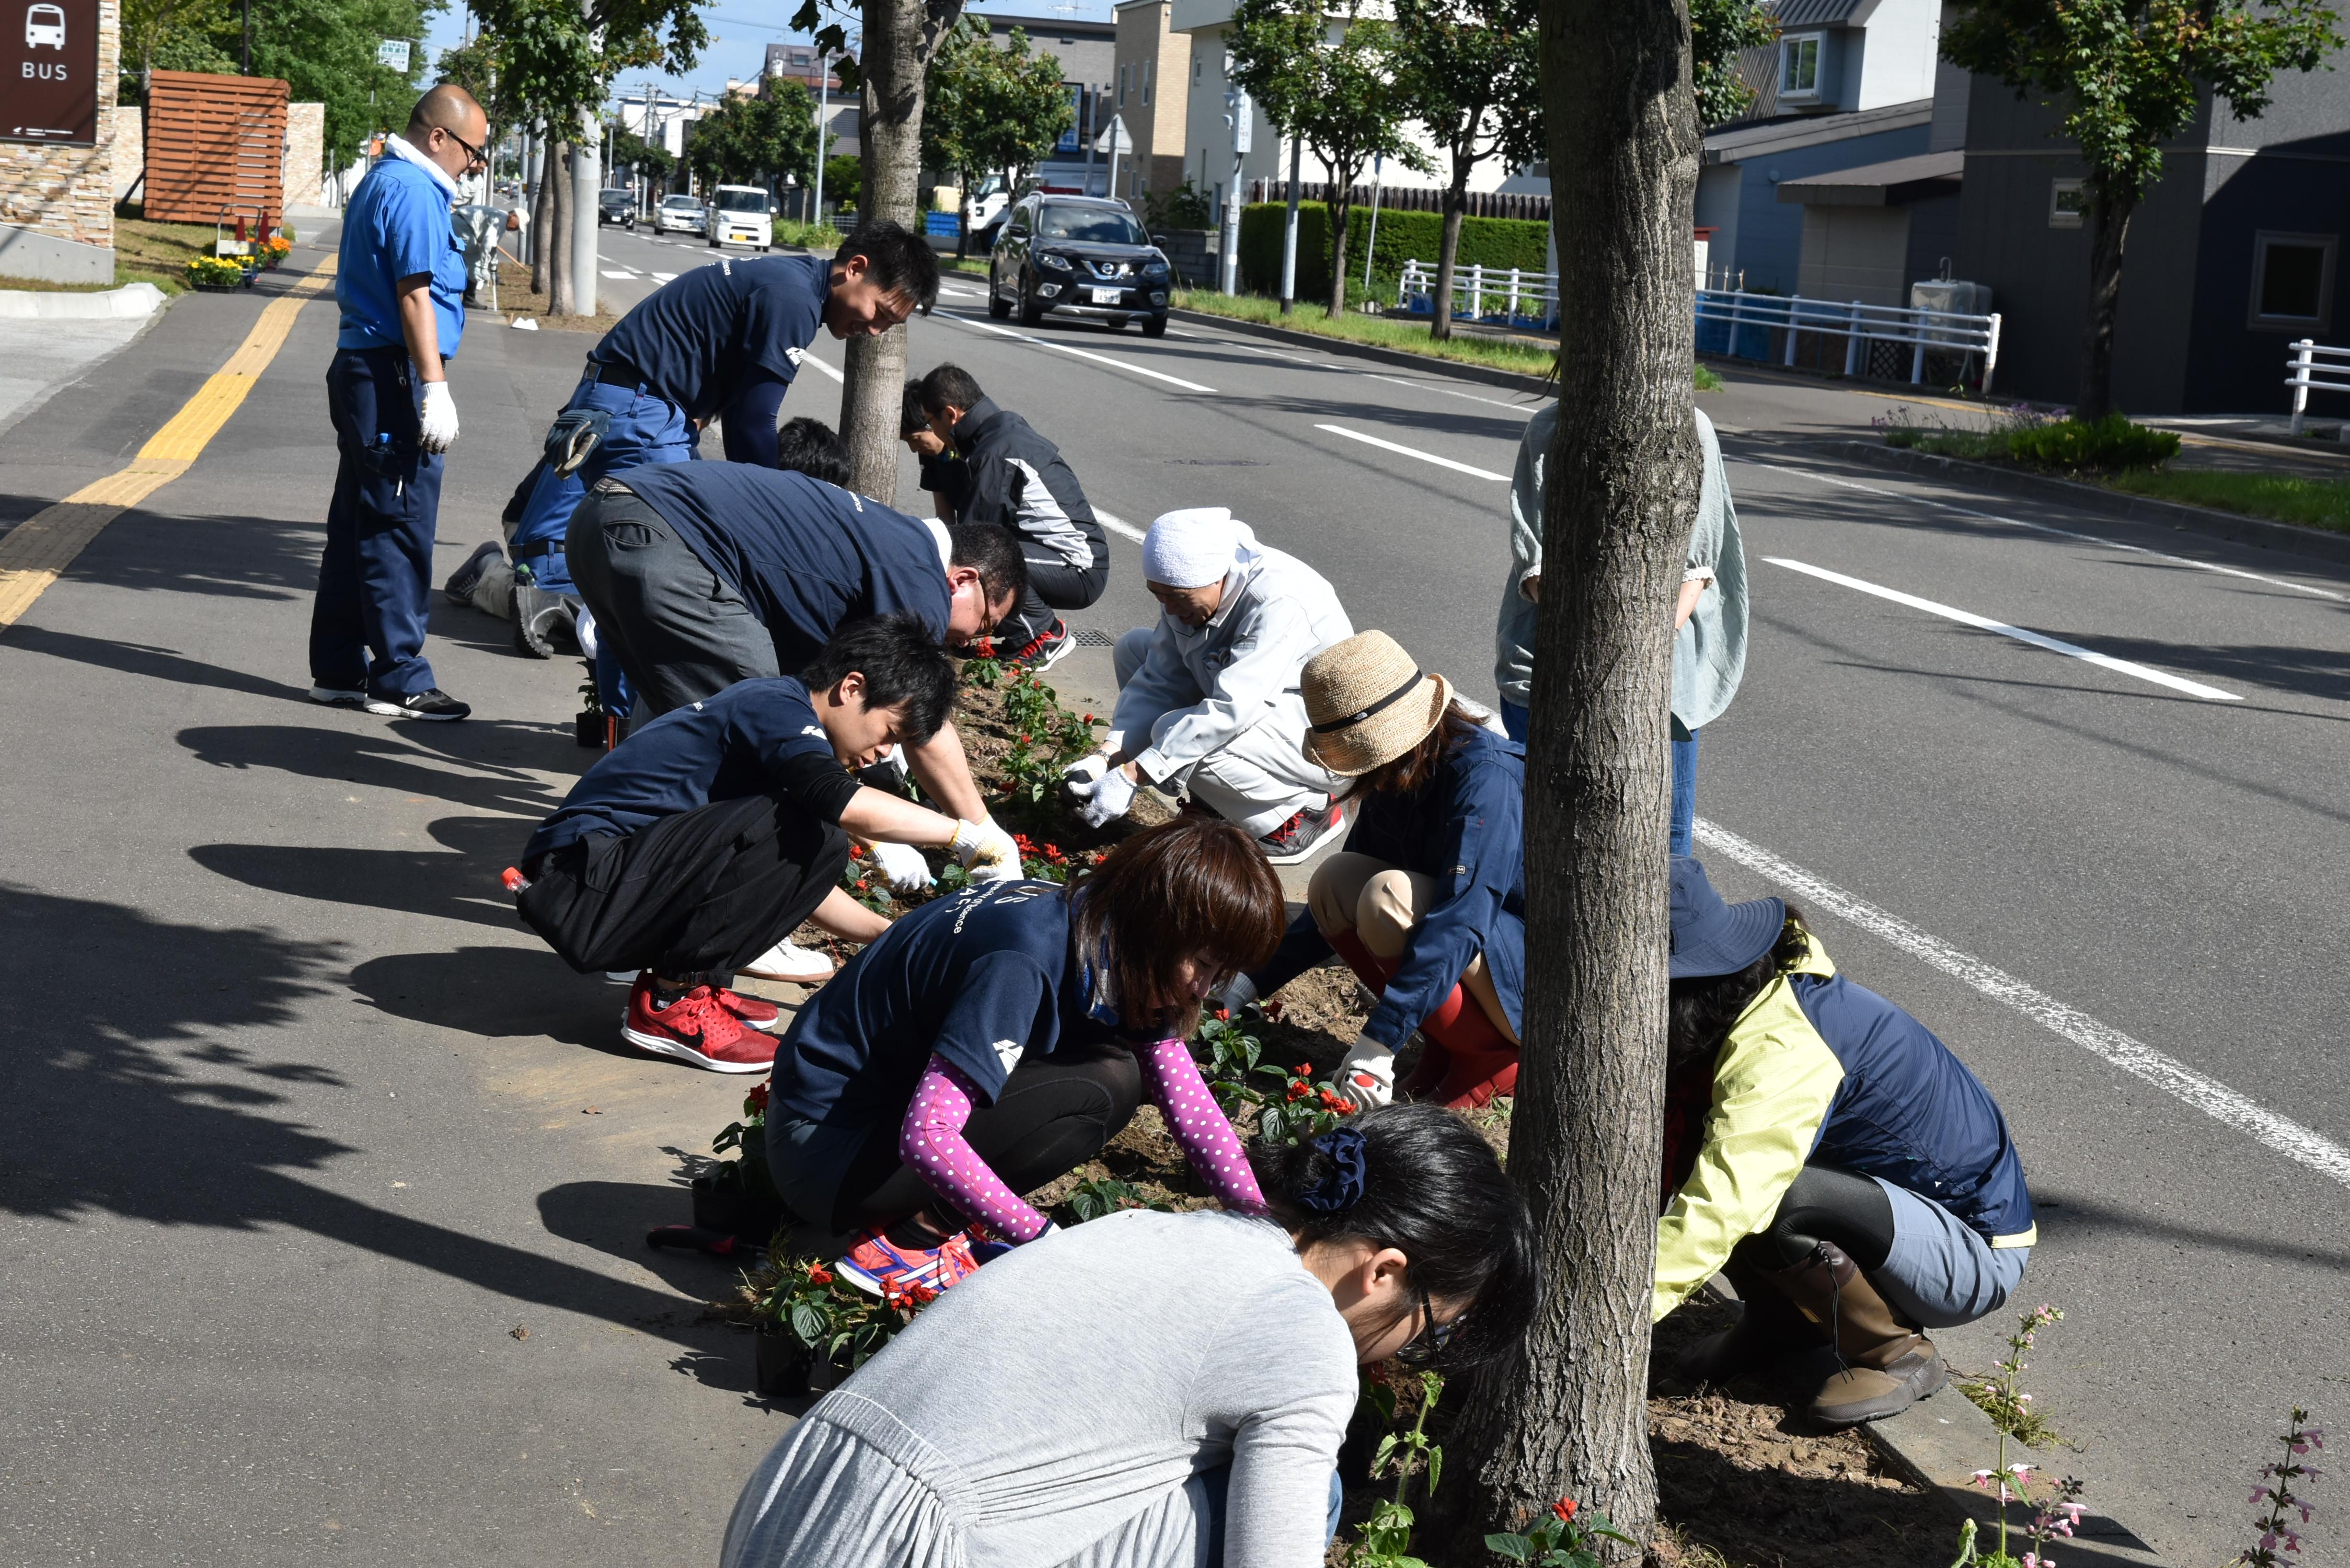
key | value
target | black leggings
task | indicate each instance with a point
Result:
(1825, 1203)
(1055, 1112)
(1052, 584)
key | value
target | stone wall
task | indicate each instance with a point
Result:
(57, 203)
(306, 153)
(129, 160)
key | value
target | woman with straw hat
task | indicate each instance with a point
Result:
(1427, 901)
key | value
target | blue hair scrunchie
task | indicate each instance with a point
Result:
(1343, 1187)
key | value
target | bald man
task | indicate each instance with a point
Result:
(401, 289)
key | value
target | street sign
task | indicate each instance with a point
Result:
(48, 60)
(1114, 138)
(392, 54)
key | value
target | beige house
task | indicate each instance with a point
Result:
(1153, 76)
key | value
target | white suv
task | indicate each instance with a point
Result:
(741, 215)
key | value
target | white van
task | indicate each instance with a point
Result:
(741, 215)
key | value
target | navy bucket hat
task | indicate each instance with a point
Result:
(1711, 937)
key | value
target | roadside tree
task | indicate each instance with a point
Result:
(991, 110)
(1569, 1417)
(2131, 75)
(750, 140)
(1720, 31)
(1470, 73)
(1333, 84)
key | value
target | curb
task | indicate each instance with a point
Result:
(130, 301)
(1514, 380)
(1941, 1442)
(2258, 532)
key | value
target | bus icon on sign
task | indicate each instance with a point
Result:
(45, 27)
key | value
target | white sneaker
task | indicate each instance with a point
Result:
(789, 961)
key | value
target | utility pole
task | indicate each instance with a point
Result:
(585, 210)
(1289, 232)
(1242, 120)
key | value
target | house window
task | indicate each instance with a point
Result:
(1798, 66)
(2293, 281)
(2067, 199)
(1122, 71)
(1199, 66)
(1147, 73)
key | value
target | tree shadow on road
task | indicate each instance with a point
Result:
(500, 993)
(381, 758)
(127, 1104)
(149, 662)
(460, 887)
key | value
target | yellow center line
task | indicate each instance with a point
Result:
(36, 552)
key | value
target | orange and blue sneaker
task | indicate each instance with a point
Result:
(881, 1267)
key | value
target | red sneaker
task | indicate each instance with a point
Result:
(695, 1028)
(750, 1011)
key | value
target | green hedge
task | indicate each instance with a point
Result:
(1501, 242)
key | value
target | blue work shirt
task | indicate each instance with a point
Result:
(1463, 830)
(699, 339)
(721, 748)
(398, 226)
(983, 979)
(806, 555)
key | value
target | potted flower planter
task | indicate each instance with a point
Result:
(729, 1207)
(783, 1368)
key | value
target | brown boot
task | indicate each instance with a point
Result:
(1889, 1365)
(1768, 1328)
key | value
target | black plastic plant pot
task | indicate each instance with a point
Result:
(780, 1364)
(588, 730)
(823, 1377)
(727, 1207)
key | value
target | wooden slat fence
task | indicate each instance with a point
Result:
(215, 141)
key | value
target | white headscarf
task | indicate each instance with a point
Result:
(1193, 549)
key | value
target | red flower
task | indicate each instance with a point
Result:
(818, 1274)
(1305, 1069)
(1223, 1014)
(862, 884)
(756, 1101)
(1089, 718)
(1272, 1010)
(856, 852)
(1564, 1508)
(986, 646)
(1297, 1092)
(1023, 740)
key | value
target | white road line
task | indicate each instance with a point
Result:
(664, 277)
(962, 293)
(1063, 348)
(1414, 452)
(2141, 1061)
(2044, 528)
(1118, 525)
(808, 358)
(621, 276)
(1518, 409)
(1965, 618)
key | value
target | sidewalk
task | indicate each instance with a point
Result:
(38, 358)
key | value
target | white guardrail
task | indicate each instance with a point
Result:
(1511, 294)
(2310, 365)
(1859, 324)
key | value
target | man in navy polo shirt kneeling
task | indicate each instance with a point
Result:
(722, 824)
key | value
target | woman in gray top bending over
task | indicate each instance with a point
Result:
(1154, 1389)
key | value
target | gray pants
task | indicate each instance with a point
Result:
(1940, 1273)
(681, 632)
(1260, 778)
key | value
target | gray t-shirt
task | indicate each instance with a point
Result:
(1054, 1407)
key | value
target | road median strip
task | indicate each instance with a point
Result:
(38, 551)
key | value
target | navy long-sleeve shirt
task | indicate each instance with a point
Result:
(1465, 829)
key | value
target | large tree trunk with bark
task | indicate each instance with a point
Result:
(1342, 187)
(1448, 249)
(1569, 1418)
(900, 35)
(2111, 215)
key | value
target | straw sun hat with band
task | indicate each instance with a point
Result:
(1367, 703)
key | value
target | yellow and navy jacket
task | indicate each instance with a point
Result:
(1819, 1070)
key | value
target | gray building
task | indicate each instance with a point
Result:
(2234, 253)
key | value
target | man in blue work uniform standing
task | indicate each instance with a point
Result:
(402, 286)
(723, 341)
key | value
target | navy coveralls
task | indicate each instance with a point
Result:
(366, 627)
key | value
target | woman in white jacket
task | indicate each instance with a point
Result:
(1209, 697)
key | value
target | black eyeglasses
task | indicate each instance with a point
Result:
(1428, 1343)
(473, 154)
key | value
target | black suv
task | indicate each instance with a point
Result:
(617, 207)
(1079, 255)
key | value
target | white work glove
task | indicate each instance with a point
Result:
(902, 867)
(1366, 1074)
(1106, 801)
(1239, 994)
(436, 418)
(1086, 772)
(986, 851)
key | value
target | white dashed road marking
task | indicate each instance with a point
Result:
(1415, 452)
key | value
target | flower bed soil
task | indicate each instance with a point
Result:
(1743, 1481)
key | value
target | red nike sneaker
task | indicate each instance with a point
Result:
(695, 1028)
(750, 1011)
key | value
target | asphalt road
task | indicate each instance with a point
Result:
(261, 1307)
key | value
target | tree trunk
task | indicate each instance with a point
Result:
(900, 35)
(1448, 250)
(2111, 214)
(559, 252)
(1342, 186)
(545, 219)
(1569, 1418)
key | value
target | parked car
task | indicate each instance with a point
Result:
(617, 207)
(1078, 255)
(680, 215)
(742, 216)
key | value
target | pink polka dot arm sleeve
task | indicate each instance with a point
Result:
(1173, 1081)
(931, 1140)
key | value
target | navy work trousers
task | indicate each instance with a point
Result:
(367, 626)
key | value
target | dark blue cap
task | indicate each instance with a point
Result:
(1711, 937)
